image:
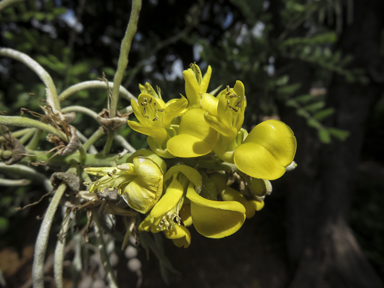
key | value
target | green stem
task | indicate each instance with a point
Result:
(42, 239)
(31, 123)
(94, 84)
(102, 249)
(59, 252)
(35, 67)
(14, 182)
(95, 136)
(34, 141)
(16, 134)
(28, 135)
(108, 143)
(124, 143)
(26, 172)
(8, 3)
(124, 51)
(80, 109)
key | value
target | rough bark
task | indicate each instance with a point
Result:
(322, 249)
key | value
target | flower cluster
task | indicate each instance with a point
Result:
(231, 170)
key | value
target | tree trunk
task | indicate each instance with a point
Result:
(322, 249)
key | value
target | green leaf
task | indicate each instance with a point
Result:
(4, 224)
(289, 89)
(339, 133)
(304, 98)
(315, 106)
(323, 114)
(314, 123)
(324, 136)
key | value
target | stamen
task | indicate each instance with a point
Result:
(146, 117)
(233, 95)
(160, 110)
(144, 110)
(228, 102)
(234, 109)
(143, 103)
(150, 100)
(155, 119)
(154, 103)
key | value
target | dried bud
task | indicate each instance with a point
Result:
(112, 124)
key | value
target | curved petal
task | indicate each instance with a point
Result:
(256, 161)
(215, 219)
(140, 198)
(205, 81)
(185, 214)
(156, 148)
(196, 138)
(158, 133)
(180, 236)
(229, 194)
(174, 109)
(209, 103)
(169, 200)
(191, 88)
(277, 138)
(228, 131)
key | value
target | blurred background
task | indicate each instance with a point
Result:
(315, 64)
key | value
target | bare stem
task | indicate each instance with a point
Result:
(94, 84)
(81, 109)
(30, 123)
(42, 239)
(59, 251)
(124, 51)
(35, 67)
(26, 172)
(95, 136)
(103, 253)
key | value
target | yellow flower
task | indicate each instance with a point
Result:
(195, 84)
(225, 113)
(140, 183)
(195, 137)
(155, 118)
(165, 216)
(269, 148)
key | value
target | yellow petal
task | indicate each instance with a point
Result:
(196, 138)
(174, 109)
(169, 200)
(268, 149)
(229, 194)
(180, 236)
(277, 138)
(139, 197)
(215, 219)
(209, 104)
(205, 82)
(185, 214)
(158, 133)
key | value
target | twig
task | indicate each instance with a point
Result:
(124, 51)
(103, 253)
(30, 123)
(94, 84)
(35, 67)
(27, 172)
(42, 239)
